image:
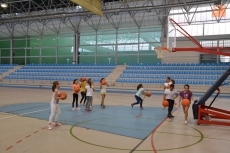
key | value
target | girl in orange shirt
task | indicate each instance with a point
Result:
(76, 89)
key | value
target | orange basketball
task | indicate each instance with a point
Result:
(185, 102)
(148, 94)
(64, 95)
(83, 79)
(76, 89)
(103, 82)
(165, 103)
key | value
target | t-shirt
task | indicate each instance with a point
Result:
(139, 92)
(74, 87)
(103, 88)
(89, 91)
(170, 94)
(187, 95)
(53, 97)
(83, 84)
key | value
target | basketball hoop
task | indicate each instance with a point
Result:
(161, 51)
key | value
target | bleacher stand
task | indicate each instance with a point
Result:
(184, 73)
(61, 72)
(6, 67)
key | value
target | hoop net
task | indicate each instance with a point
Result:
(161, 51)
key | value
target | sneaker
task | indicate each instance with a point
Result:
(57, 124)
(185, 122)
(91, 107)
(49, 127)
(73, 108)
(78, 108)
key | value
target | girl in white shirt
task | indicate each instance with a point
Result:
(140, 91)
(54, 105)
(170, 95)
(89, 94)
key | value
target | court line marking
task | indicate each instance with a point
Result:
(107, 147)
(30, 112)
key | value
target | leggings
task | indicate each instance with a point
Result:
(54, 108)
(75, 98)
(89, 101)
(139, 101)
(171, 104)
(83, 96)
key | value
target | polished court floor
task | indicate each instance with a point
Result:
(24, 114)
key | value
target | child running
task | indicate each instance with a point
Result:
(170, 95)
(140, 91)
(89, 95)
(75, 94)
(55, 105)
(103, 92)
(186, 94)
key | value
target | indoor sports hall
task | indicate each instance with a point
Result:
(133, 58)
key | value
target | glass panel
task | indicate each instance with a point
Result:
(105, 59)
(65, 60)
(108, 50)
(87, 50)
(32, 60)
(88, 40)
(19, 61)
(34, 42)
(48, 60)
(106, 39)
(131, 59)
(49, 52)
(5, 52)
(18, 52)
(5, 44)
(49, 41)
(127, 38)
(68, 51)
(149, 59)
(65, 41)
(5, 60)
(86, 59)
(150, 37)
(148, 48)
(33, 52)
(127, 49)
(19, 43)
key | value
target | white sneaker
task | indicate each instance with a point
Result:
(185, 121)
(73, 108)
(49, 127)
(78, 108)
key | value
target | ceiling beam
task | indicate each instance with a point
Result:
(71, 14)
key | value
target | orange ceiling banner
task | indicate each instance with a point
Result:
(219, 11)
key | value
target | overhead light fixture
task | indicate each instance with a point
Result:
(4, 5)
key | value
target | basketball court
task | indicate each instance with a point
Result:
(117, 128)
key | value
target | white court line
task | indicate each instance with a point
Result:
(30, 112)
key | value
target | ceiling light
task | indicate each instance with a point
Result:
(4, 5)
